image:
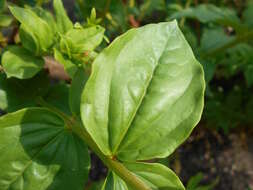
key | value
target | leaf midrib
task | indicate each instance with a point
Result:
(141, 100)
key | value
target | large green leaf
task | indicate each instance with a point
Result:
(79, 40)
(145, 93)
(62, 20)
(18, 62)
(16, 94)
(155, 176)
(38, 27)
(39, 152)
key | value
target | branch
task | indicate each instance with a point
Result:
(111, 163)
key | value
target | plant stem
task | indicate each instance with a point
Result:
(187, 5)
(76, 126)
(111, 163)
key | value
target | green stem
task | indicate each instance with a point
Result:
(113, 164)
(239, 39)
(187, 5)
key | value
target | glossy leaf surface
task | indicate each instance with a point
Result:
(18, 62)
(145, 93)
(37, 152)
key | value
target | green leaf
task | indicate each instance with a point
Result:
(68, 65)
(16, 94)
(62, 20)
(2, 5)
(210, 13)
(76, 88)
(28, 40)
(18, 62)
(155, 176)
(36, 26)
(213, 39)
(5, 20)
(248, 14)
(38, 152)
(113, 182)
(248, 73)
(79, 40)
(47, 17)
(145, 93)
(58, 96)
(194, 181)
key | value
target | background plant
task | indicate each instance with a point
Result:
(46, 134)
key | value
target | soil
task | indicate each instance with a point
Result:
(228, 158)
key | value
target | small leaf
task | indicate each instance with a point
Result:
(63, 22)
(47, 17)
(79, 40)
(5, 20)
(37, 152)
(68, 65)
(145, 94)
(18, 62)
(194, 181)
(155, 176)
(76, 90)
(36, 26)
(28, 40)
(113, 182)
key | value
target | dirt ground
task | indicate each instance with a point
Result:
(226, 157)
